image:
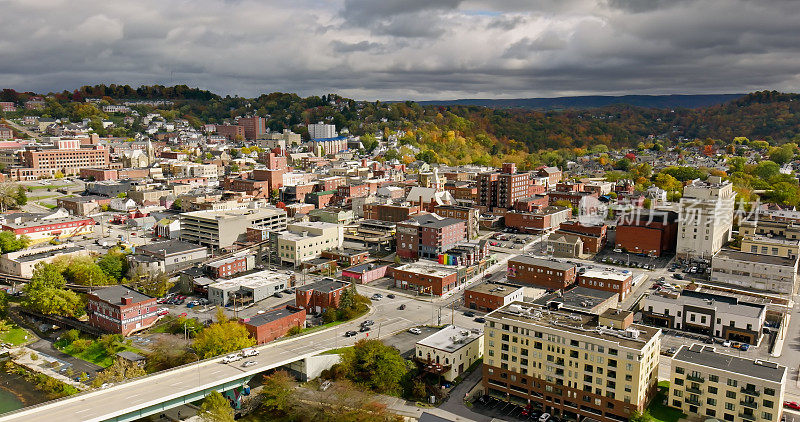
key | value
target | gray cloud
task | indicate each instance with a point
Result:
(417, 49)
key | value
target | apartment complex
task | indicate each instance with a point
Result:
(707, 384)
(751, 271)
(706, 218)
(503, 189)
(540, 272)
(254, 127)
(221, 229)
(428, 235)
(66, 156)
(571, 365)
(304, 241)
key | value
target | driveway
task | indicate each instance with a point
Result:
(455, 403)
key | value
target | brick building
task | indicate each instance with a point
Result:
(228, 267)
(502, 190)
(346, 257)
(121, 310)
(275, 323)
(607, 281)
(470, 215)
(574, 198)
(253, 127)
(428, 235)
(232, 132)
(365, 273)
(426, 277)
(492, 295)
(540, 220)
(390, 213)
(539, 272)
(651, 233)
(98, 174)
(320, 295)
(594, 237)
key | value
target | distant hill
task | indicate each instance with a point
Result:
(594, 101)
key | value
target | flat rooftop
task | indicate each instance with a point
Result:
(450, 338)
(704, 355)
(270, 316)
(366, 266)
(431, 269)
(254, 280)
(578, 297)
(724, 304)
(168, 247)
(495, 289)
(541, 262)
(756, 258)
(605, 274)
(35, 256)
(779, 240)
(326, 285)
(234, 214)
(114, 294)
(635, 337)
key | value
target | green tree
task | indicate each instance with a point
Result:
(168, 352)
(120, 370)
(9, 242)
(638, 416)
(45, 293)
(216, 408)
(766, 169)
(9, 195)
(374, 365)
(783, 154)
(21, 197)
(276, 396)
(113, 264)
(222, 337)
(668, 182)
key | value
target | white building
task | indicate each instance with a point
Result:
(750, 271)
(321, 130)
(249, 288)
(450, 351)
(706, 218)
(303, 241)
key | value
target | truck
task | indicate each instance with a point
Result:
(250, 351)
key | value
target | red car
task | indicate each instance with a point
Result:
(791, 405)
(162, 313)
(182, 315)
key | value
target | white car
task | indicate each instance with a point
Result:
(726, 343)
(415, 330)
(544, 418)
(248, 363)
(232, 358)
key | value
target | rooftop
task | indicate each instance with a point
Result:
(635, 336)
(558, 265)
(607, 275)
(366, 266)
(234, 214)
(432, 220)
(326, 285)
(48, 253)
(495, 288)
(752, 257)
(168, 247)
(581, 298)
(270, 316)
(450, 338)
(253, 280)
(722, 304)
(430, 268)
(707, 356)
(114, 294)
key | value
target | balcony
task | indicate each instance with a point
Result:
(750, 404)
(747, 416)
(695, 378)
(750, 391)
(694, 390)
(693, 401)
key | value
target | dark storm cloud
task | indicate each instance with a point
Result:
(398, 49)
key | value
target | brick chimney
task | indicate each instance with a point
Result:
(126, 300)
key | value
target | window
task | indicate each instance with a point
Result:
(679, 370)
(711, 402)
(712, 390)
(732, 382)
(730, 394)
(729, 406)
(713, 378)
(769, 391)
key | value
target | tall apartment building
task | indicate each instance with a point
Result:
(428, 235)
(707, 384)
(706, 218)
(571, 365)
(502, 190)
(321, 130)
(254, 127)
(221, 229)
(66, 156)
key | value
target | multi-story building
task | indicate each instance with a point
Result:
(249, 288)
(606, 280)
(274, 323)
(428, 235)
(593, 236)
(426, 277)
(537, 272)
(45, 227)
(221, 229)
(470, 215)
(6, 132)
(541, 220)
(553, 175)
(767, 244)
(449, 352)
(321, 130)
(750, 271)
(304, 241)
(706, 218)
(120, 309)
(83, 205)
(705, 313)
(574, 366)
(231, 132)
(228, 267)
(492, 295)
(502, 190)
(254, 127)
(706, 384)
(22, 263)
(565, 245)
(391, 213)
(166, 257)
(66, 156)
(647, 232)
(320, 295)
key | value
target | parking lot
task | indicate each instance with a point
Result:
(405, 341)
(509, 411)
(506, 240)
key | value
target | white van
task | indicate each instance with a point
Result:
(250, 351)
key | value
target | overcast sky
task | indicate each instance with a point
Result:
(405, 49)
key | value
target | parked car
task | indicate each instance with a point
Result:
(277, 294)
(744, 347)
(469, 314)
(480, 320)
(390, 296)
(375, 297)
(415, 330)
(726, 343)
(350, 333)
(544, 418)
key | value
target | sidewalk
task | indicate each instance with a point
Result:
(40, 365)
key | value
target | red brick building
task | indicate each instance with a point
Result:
(594, 237)
(232, 132)
(541, 273)
(98, 175)
(651, 233)
(365, 273)
(490, 296)
(607, 281)
(462, 190)
(470, 215)
(574, 198)
(253, 127)
(320, 295)
(346, 257)
(228, 267)
(538, 221)
(320, 199)
(426, 278)
(121, 310)
(390, 213)
(502, 190)
(428, 235)
(330, 183)
(249, 186)
(275, 323)
(68, 157)
(553, 174)
(532, 203)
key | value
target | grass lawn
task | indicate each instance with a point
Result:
(96, 355)
(15, 336)
(661, 412)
